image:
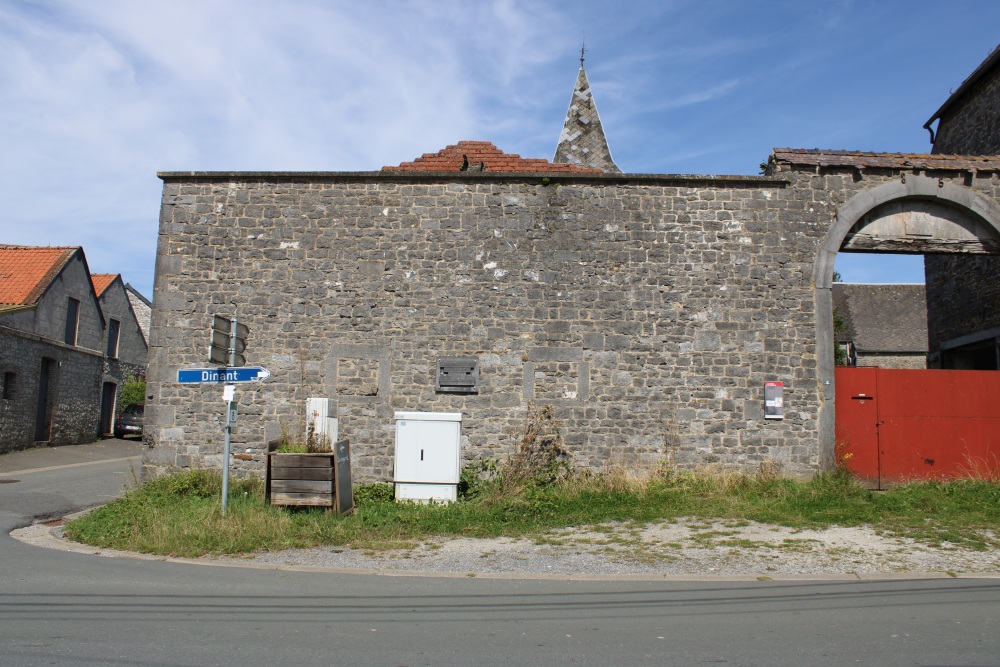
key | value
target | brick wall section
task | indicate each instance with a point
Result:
(971, 124)
(648, 310)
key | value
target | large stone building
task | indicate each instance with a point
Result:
(648, 310)
(67, 342)
(124, 344)
(964, 320)
(51, 334)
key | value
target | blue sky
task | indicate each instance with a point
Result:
(99, 95)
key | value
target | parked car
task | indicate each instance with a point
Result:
(129, 421)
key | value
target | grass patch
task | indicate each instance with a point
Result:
(180, 515)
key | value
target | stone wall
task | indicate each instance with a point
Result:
(914, 361)
(965, 291)
(29, 336)
(971, 124)
(48, 318)
(649, 311)
(73, 396)
(132, 353)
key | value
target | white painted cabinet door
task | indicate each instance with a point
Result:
(427, 451)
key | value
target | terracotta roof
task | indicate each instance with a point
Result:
(883, 318)
(102, 281)
(829, 158)
(985, 67)
(473, 156)
(26, 271)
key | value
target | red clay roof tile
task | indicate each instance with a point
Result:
(102, 281)
(469, 155)
(26, 271)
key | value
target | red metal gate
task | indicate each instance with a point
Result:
(902, 425)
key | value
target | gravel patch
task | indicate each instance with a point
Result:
(685, 547)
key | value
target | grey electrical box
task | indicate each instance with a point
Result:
(458, 375)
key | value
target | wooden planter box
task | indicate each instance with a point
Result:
(311, 479)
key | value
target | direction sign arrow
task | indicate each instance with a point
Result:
(242, 374)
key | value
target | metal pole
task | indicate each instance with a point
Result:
(225, 466)
(229, 428)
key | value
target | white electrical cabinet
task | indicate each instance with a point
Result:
(428, 455)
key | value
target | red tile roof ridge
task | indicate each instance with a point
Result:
(464, 154)
(102, 281)
(27, 271)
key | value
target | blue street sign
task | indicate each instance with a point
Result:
(216, 375)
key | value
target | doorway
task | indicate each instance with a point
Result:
(43, 413)
(108, 395)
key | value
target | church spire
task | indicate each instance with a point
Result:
(582, 140)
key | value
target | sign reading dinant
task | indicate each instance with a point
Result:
(774, 400)
(201, 375)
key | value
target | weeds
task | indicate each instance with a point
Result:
(180, 515)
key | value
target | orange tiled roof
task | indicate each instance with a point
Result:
(25, 271)
(830, 158)
(484, 156)
(102, 281)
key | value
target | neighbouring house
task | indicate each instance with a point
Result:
(883, 325)
(142, 308)
(125, 346)
(51, 347)
(964, 291)
(648, 310)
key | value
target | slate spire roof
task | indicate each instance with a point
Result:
(582, 140)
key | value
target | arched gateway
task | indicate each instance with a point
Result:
(916, 214)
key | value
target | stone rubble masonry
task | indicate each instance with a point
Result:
(647, 310)
(970, 124)
(965, 290)
(29, 336)
(132, 352)
(966, 294)
(73, 397)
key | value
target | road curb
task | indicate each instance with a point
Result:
(46, 535)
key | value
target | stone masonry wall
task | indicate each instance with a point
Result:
(966, 294)
(967, 291)
(73, 396)
(132, 352)
(649, 311)
(971, 125)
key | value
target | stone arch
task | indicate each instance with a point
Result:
(962, 200)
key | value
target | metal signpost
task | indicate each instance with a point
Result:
(226, 346)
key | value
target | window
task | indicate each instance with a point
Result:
(9, 380)
(72, 320)
(114, 327)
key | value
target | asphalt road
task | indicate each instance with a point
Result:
(59, 608)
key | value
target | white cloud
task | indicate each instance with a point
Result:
(98, 96)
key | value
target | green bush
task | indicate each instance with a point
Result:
(133, 391)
